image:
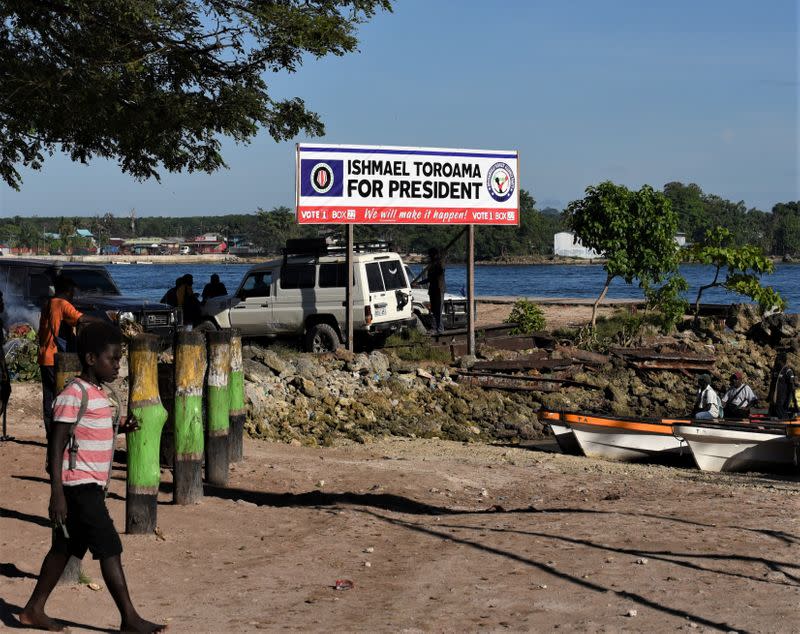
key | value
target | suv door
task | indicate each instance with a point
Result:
(253, 312)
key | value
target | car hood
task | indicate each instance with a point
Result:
(118, 302)
(420, 296)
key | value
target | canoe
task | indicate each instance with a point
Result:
(562, 433)
(766, 445)
(625, 439)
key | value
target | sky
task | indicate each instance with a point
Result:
(586, 90)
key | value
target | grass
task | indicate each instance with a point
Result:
(412, 345)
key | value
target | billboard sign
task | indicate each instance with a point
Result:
(341, 184)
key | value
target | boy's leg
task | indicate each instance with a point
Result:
(33, 613)
(115, 580)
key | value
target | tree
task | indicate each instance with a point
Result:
(634, 232)
(743, 266)
(157, 82)
(786, 237)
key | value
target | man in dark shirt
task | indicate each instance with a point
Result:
(214, 288)
(435, 278)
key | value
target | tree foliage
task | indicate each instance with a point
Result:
(742, 267)
(157, 82)
(634, 231)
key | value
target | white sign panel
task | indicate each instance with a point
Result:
(342, 184)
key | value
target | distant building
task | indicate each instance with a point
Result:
(680, 240)
(207, 243)
(141, 246)
(566, 245)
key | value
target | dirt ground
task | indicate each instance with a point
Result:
(555, 316)
(435, 536)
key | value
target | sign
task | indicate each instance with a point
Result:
(339, 184)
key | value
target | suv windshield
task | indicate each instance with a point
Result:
(94, 282)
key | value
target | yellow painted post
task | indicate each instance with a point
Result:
(219, 368)
(190, 371)
(144, 402)
(236, 408)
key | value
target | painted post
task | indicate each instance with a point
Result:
(236, 409)
(68, 365)
(144, 402)
(219, 367)
(190, 370)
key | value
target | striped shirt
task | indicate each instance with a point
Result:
(94, 433)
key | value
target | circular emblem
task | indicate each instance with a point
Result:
(500, 182)
(322, 178)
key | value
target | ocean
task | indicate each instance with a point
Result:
(552, 280)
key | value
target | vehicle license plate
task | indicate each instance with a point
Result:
(380, 311)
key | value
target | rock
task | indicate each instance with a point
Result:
(379, 363)
(424, 374)
(642, 561)
(273, 361)
(631, 613)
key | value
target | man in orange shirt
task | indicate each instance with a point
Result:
(58, 319)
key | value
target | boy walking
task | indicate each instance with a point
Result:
(79, 477)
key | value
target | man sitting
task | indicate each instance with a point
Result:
(707, 406)
(739, 398)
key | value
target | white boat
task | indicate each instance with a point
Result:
(762, 446)
(562, 433)
(625, 440)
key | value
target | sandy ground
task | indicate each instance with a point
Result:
(555, 316)
(435, 536)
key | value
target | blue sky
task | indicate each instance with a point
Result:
(627, 90)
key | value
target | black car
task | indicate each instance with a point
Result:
(26, 285)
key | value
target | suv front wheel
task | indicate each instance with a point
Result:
(322, 338)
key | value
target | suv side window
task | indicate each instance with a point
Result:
(298, 276)
(333, 275)
(256, 284)
(374, 277)
(393, 276)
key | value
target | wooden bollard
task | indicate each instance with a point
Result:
(219, 368)
(190, 370)
(236, 409)
(144, 402)
(68, 366)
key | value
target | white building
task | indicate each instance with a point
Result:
(565, 244)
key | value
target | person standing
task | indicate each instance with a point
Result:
(436, 286)
(57, 325)
(80, 449)
(739, 398)
(708, 405)
(214, 288)
(5, 378)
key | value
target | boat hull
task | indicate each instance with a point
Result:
(626, 440)
(565, 438)
(612, 443)
(716, 449)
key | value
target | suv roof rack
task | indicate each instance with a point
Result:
(318, 247)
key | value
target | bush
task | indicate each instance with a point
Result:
(528, 317)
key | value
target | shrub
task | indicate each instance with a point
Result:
(528, 317)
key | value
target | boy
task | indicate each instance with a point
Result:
(77, 490)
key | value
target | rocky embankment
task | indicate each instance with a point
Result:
(322, 399)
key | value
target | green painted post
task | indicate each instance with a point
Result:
(190, 370)
(144, 402)
(68, 365)
(236, 409)
(219, 368)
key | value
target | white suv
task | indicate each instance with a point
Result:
(303, 293)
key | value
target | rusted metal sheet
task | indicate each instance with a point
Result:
(530, 380)
(583, 356)
(651, 359)
(536, 361)
(667, 364)
(508, 383)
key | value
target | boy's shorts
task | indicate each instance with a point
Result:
(88, 523)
